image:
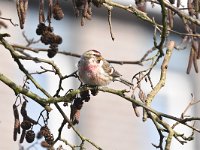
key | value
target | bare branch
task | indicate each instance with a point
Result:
(14, 24)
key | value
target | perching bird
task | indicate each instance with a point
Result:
(94, 70)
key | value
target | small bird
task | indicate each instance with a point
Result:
(94, 70)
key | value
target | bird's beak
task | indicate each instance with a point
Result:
(100, 58)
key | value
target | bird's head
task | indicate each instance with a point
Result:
(92, 54)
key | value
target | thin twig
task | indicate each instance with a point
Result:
(72, 126)
(14, 24)
(37, 50)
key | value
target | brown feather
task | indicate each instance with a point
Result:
(109, 69)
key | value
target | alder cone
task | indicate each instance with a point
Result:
(30, 136)
(45, 144)
(26, 124)
(57, 12)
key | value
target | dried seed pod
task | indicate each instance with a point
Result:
(77, 117)
(25, 8)
(170, 18)
(47, 134)
(178, 3)
(50, 38)
(193, 56)
(45, 144)
(49, 139)
(52, 51)
(26, 125)
(22, 6)
(85, 95)
(83, 8)
(195, 45)
(47, 37)
(19, 9)
(74, 116)
(190, 6)
(49, 28)
(30, 136)
(57, 12)
(53, 46)
(16, 129)
(94, 91)
(190, 61)
(22, 136)
(31, 120)
(44, 40)
(45, 131)
(141, 95)
(16, 122)
(50, 3)
(23, 109)
(38, 31)
(41, 12)
(41, 28)
(195, 60)
(196, 8)
(78, 103)
(57, 39)
(75, 111)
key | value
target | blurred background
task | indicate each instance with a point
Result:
(106, 119)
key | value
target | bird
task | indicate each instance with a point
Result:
(94, 70)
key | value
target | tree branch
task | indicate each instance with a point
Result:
(18, 89)
(20, 65)
(163, 74)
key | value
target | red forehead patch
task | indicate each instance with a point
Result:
(97, 52)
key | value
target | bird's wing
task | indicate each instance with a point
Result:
(109, 69)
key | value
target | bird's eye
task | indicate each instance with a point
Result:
(98, 60)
